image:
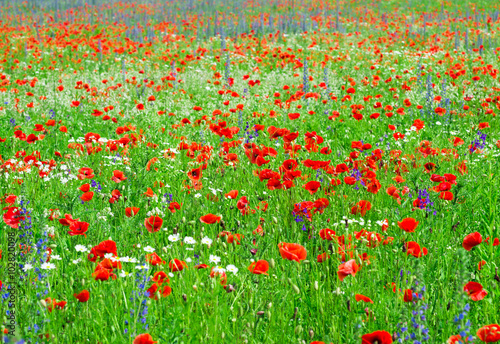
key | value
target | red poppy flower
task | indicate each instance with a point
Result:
(85, 172)
(481, 264)
(82, 296)
(361, 208)
(446, 195)
(165, 291)
(201, 266)
(160, 277)
(294, 252)
(472, 240)
(408, 295)
(174, 206)
(115, 196)
(232, 194)
(78, 228)
(154, 259)
(195, 174)
(322, 257)
(52, 303)
(408, 225)
(414, 249)
(153, 223)
(12, 217)
(456, 339)
(106, 246)
(350, 180)
(489, 333)
(177, 265)
(377, 337)
(118, 176)
(87, 196)
(259, 267)
(363, 298)
(327, 234)
(312, 186)
(210, 219)
(144, 338)
(236, 238)
(131, 211)
(85, 187)
(347, 268)
(475, 291)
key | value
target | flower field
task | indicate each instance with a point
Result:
(250, 171)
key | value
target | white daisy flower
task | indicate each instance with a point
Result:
(47, 266)
(232, 268)
(125, 274)
(55, 257)
(128, 260)
(76, 261)
(81, 248)
(219, 269)
(214, 259)
(206, 241)
(189, 240)
(27, 267)
(174, 237)
(108, 255)
(149, 249)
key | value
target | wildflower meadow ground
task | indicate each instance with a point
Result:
(249, 171)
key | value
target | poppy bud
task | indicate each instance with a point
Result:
(316, 286)
(270, 304)
(52, 246)
(224, 245)
(348, 305)
(305, 262)
(296, 289)
(298, 330)
(43, 303)
(260, 313)
(272, 264)
(164, 249)
(112, 329)
(311, 333)
(184, 220)
(202, 229)
(184, 297)
(191, 223)
(268, 314)
(83, 281)
(223, 335)
(275, 220)
(253, 251)
(195, 287)
(71, 281)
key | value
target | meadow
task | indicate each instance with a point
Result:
(285, 171)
